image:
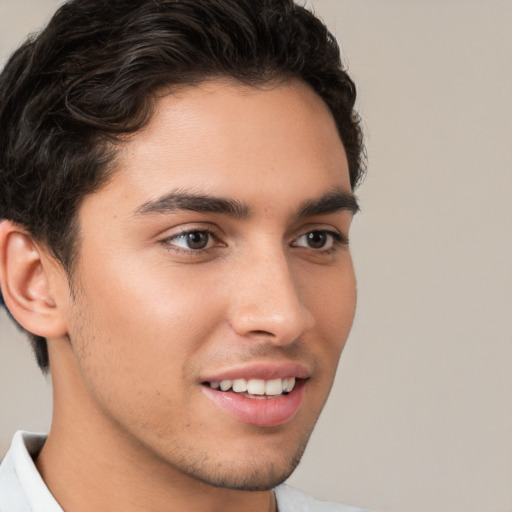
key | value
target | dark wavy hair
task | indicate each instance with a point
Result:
(91, 76)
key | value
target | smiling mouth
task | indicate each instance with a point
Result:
(255, 388)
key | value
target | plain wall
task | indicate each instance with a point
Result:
(420, 418)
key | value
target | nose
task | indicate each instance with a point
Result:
(266, 301)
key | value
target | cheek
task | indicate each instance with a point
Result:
(333, 307)
(134, 346)
(144, 323)
(138, 294)
(330, 295)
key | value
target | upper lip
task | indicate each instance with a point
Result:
(263, 370)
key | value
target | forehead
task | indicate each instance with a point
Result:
(223, 138)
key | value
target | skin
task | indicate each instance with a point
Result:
(148, 317)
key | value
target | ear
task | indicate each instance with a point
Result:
(27, 276)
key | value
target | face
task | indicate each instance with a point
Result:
(214, 289)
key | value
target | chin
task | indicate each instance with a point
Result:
(249, 474)
(263, 478)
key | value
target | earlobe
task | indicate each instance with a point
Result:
(25, 282)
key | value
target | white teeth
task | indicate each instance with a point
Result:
(239, 385)
(289, 385)
(225, 384)
(272, 387)
(256, 387)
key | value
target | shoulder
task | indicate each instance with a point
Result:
(292, 500)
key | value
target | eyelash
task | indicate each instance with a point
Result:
(183, 234)
(338, 240)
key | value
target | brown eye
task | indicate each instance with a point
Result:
(318, 240)
(191, 240)
(197, 239)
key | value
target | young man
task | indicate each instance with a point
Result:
(177, 192)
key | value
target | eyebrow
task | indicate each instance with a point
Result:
(331, 202)
(194, 203)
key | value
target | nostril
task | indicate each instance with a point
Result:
(262, 333)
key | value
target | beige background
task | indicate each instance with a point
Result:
(421, 414)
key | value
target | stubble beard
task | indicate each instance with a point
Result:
(248, 475)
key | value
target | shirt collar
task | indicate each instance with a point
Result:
(21, 485)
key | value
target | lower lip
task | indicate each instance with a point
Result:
(262, 412)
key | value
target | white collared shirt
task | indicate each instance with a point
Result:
(21, 487)
(23, 490)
